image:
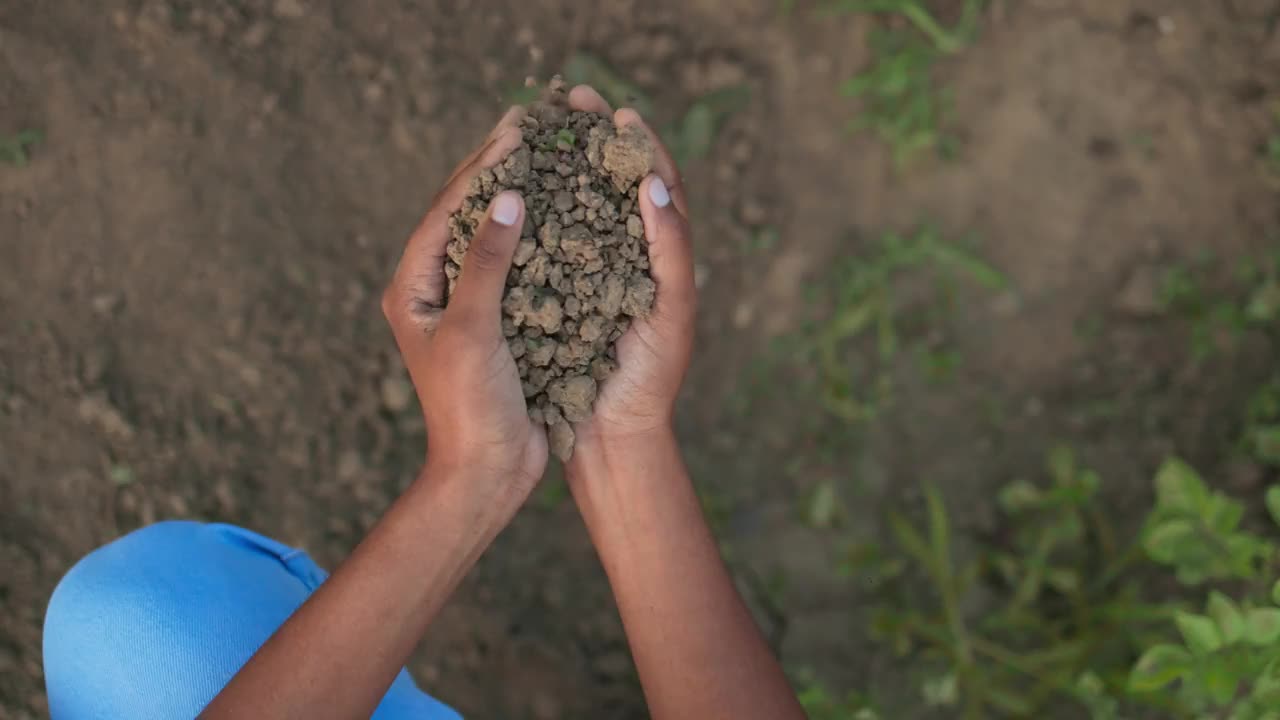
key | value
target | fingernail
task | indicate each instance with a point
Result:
(506, 208)
(658, 193)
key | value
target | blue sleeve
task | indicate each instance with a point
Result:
(153, 625)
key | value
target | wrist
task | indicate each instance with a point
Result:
(480, 496)
(618, 475)
(600, 453)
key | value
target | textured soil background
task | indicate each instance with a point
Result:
(190, 267)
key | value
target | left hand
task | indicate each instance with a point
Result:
(459, 362)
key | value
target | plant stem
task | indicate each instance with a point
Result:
(945, 42)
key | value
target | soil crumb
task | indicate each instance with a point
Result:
(581, 271)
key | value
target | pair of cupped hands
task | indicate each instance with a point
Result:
(459, 361)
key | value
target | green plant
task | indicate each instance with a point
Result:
(900, 101)
(820, 704)
(865, 307)
(1227, 662)
(1196, 531)
(1064, 615)
(1218, 316)
(15, 150)
(1271, 151)
(1063, 619)
(692, 136)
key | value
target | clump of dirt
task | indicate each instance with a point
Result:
(581, 271)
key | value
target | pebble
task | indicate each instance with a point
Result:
(106, 304)
(1140, 296)
(255, 35)
(289, 9)
(397, 393)
(96, 409)
(701, 274)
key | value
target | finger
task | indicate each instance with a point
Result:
(511, 119)
(670, 251)
(586, 99)
(478, 295)
(663, 163)
(425, 250)
(418, 287)
(450, 198)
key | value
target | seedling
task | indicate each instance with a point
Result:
(900, 102)
(15, 150)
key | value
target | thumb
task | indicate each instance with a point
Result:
(670, 250)
(484, 269)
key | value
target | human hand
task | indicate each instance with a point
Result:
(638, 400)
(459, 362)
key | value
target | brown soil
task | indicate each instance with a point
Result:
(190, 265)
(581, 271)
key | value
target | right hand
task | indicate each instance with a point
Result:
(638, 400)
(463, 372)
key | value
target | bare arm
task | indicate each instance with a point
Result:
(698, 650)
(337, 655)
(696, 646)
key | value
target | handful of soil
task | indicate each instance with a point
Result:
(581, 271)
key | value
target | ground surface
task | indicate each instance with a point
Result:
(190, 267)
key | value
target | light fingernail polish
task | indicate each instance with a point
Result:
(658, 193)
(506, 208)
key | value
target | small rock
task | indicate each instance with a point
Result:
(255, 35)
(97, 409)
(289, 9)
(560, 437)
(753, 213)
(106, 304)
(701, 274)
(1140, 296)
(397, 393)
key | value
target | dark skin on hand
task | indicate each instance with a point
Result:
(698, 652)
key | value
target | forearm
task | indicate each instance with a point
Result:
(337, 655)
(697, 649)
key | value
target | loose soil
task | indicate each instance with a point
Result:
(581, 271)
(190, 266)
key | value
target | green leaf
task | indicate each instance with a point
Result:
(1200, 633)
(1159, 666)
(939, 528)
(1166, 541)
(1273, 503)
(1227, 617)
(1268, 681)
(1222, 514)
(1219, 680)
(586, 69)
(824, 506)
(1179, 487)
(1265, 303)
(1019, 495)
(1275, 593)
(1062, 465)
(696, 134)
(1262, 626)
(1265, 440)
